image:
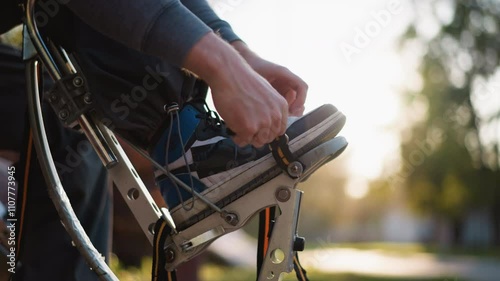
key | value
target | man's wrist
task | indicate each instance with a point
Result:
(206, 57)
(213, 59)
(243, 50)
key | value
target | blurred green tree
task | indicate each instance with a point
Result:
(451, 157)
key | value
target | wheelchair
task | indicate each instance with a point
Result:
(172, 246)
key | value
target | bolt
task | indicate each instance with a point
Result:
(53, 98)
(169, 255)
(295, 169)
(231, 219)
(186, 246)
(77, 81)
(63, 114)
(87, 98)
(283, 194)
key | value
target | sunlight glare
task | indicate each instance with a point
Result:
(305, 36)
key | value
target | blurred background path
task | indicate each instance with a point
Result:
(382, 260)
(417, 265)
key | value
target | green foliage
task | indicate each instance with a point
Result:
(213, 273)
(453, 173)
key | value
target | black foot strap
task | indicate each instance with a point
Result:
(158, 272)
(283, 156)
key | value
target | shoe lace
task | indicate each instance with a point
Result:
(212, 120)
(216, 124)
(173, 112)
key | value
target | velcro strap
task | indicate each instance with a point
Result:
(158, 272)
(282, 154)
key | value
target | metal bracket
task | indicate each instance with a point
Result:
(279, 255)
(70, 98)
(131, 187)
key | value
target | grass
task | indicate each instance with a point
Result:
(131, 273)
(212, 272)
(217, 273)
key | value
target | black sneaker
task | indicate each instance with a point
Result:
(216, 167)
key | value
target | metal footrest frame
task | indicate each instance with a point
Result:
(280, 192)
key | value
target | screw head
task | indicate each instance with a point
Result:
(53, 98)
(231, 218)
(87, 98)
(169, 255)
(295, 169)
(77, 81)
(283, 194)
(63, 114)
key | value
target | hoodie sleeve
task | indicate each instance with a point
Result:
(205, 13)
(164, 28)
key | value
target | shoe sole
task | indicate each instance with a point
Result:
(257, 172)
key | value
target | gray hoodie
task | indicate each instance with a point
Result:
(164, 28)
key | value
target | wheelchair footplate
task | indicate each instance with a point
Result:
(281, 192)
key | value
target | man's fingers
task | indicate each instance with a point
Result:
(284, 120)
(290, 96)
(298, 111)
(263, 136)
(240, 141)
(300, 98)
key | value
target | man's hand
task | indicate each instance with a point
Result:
(289, 85)
(248, 103)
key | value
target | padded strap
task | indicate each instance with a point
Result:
(282, 154)
(158, 272)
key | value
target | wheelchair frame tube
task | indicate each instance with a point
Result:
(56, 191)
(102, 139)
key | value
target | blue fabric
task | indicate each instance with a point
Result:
(169, 192)
(189, 122)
